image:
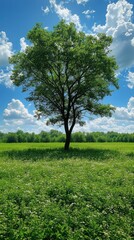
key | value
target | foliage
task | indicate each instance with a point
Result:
(88, 195)
(67, 73)
(56, 136)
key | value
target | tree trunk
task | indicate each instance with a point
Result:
(68, 139)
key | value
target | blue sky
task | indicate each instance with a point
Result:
(115, 18)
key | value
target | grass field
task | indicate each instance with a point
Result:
(49, 194)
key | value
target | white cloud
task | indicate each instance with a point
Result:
(5, 77)
(125, 114)
(46, 28)
(121, 121)
(130, 105)
(119, 24)
(16, 116)
(132, 41)
(5, 49)
(16, 110)
(82, 1)
(46, 10)
(65, 13)
(87, 12)
(130, 79)
(5, 52)
(23, 44)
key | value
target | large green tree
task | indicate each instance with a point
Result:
(66, 73)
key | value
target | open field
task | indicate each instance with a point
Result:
(49, 194)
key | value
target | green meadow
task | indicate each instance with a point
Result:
(49, 194)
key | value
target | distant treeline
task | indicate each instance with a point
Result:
(56, 136)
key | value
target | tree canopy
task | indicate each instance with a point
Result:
(56, 136)
(66, 73)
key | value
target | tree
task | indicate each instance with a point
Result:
(11, 137)
(90, 137)
(67, 73)
(78, 137)
(44, 136)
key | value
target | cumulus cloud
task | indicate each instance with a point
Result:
(5, 77)
(130, 105)
(16, 116)
(5, 52)
(5, 49)
(23, 44)
(121, 121)
(130, 79)
(16, 110)
(127, 113)
(65, 13)
(120, 26)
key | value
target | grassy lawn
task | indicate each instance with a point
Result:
(49, 194)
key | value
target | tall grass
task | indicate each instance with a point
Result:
(86, 193)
